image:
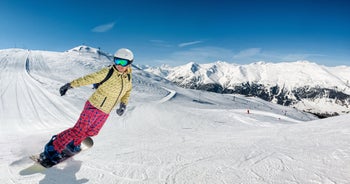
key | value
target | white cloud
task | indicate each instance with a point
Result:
(160, 43)
(198, 55)
(211, 54)
(189, 43)
(103, 28)
(296, 57)
(247, 53)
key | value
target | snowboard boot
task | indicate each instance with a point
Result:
(71, 149)
(50, 156)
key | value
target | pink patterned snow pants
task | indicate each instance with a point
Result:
(90, 123)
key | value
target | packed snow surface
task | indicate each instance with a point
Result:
(168, 134)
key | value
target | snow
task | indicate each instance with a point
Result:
(287, 76)
(168, 134)
(291, 75)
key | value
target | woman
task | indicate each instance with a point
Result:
(115, 88)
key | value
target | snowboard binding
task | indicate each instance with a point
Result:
(50, 157)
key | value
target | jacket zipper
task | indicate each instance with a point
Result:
(103, 102)
(121, 90)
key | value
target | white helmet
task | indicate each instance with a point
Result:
(124, 54)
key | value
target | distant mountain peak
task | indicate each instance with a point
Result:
(284, 83)
(83, 48)
(89, 50)
(194, 67)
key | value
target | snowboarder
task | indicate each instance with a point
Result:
(114, 87)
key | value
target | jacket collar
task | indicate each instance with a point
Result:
(128, 70)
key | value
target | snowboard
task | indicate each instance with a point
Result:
(66, 154)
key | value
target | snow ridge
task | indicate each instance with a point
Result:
(285, 83)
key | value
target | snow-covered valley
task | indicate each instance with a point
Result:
(168, 134)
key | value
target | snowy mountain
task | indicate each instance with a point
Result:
(321, 90)
(94, 52)
(168, 134)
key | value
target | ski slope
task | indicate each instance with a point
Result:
(168, 134)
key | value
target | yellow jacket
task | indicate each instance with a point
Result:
(116, 89)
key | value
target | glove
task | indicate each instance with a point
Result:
(64, 89)
(121, 109)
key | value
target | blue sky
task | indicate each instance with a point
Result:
(177, 32)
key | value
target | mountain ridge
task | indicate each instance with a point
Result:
(285, 83)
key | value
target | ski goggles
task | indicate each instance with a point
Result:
(122, 62)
